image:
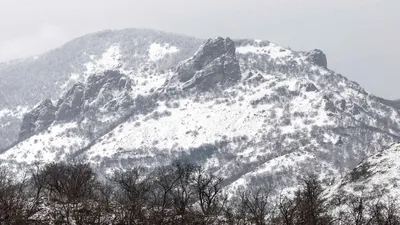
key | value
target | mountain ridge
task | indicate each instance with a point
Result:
(54, 72)
(248, 110)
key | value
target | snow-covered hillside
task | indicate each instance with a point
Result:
(248, 110)
(26, 82)
(376, 176)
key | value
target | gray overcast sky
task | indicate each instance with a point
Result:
(360, 37)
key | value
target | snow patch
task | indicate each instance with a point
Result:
(159, 51)
(18, 112)
(274, 51)
(48, 146)
(109, 60)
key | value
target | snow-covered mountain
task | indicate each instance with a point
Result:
(24, 83)
(248, 110)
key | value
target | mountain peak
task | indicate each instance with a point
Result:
(318, 57)
(214, 62)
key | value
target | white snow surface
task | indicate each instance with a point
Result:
(49, 146)
(17, 112)
(273, 50)
(378, 173)
(110, 59)
(158, 51)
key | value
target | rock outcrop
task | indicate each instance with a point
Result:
(317, 57)
(101, 94)
(107, 91)
(70, 105)
(214, 62)
(38, 119)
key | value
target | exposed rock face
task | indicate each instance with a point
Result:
(38, 119)
(70, 105)
(215, 62)
(102, 93)
(318, 57)
(99, 93)
(310, 87)
(49, 75)
(102, 89)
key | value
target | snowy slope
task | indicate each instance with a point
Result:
(378, 174)
(284, 114)
(51, 74)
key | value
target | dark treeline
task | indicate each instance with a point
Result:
(181, 193)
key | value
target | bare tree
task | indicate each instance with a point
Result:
(208, 190)
(384, 213)
(287, 211)
(16, 205)
(257, 206)
(70, 189)
(132, 195)
(358, 210)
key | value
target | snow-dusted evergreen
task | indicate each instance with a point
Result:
(247, 110)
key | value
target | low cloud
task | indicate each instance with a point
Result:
(47, 38)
